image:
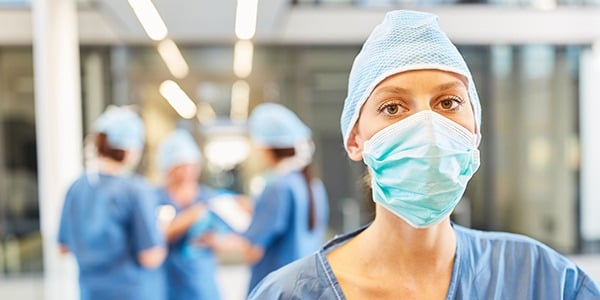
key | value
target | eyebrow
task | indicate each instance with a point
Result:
(450, 85)
(399, 90)
(391, 89)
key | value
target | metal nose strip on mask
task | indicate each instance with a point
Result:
(389, 131)
(462, 133)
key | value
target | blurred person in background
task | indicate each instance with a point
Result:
(191, 265)
(412, 115)
(108, 220)
(291, 213)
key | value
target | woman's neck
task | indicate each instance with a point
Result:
(392, 260)
(401, 247)
(109, 166)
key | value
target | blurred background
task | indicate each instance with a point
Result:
(203, 65)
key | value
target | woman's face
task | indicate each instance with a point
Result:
(407, 93)
(132, 159)
(268, 157)
(182, 183)
(184, 173)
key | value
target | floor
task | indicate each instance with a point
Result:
(232, 280)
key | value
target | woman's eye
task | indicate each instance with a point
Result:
(450, 103)
(391, 109)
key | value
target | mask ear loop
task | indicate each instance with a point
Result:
(477, 126)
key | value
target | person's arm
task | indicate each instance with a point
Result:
(245, 203)
(64, 227)
(152, 258)
(233, 243)
(269, 221)
(147, 238)
(63, 249)
(183, 221)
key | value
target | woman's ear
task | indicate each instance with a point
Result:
(354, 146)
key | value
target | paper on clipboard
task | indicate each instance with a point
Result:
(227, 208)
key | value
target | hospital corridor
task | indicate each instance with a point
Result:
(299, 149)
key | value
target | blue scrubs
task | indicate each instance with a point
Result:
(106, 224)
(190, 269)
(487, 265)
(280, 223)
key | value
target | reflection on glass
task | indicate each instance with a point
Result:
(20, 240)
(529, 185)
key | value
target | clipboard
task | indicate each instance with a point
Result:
(227, 208)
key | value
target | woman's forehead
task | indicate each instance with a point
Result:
(442, 76)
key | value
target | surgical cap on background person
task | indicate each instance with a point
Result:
(179, 147)
(123, 127)
(275, 126)
(404, 41)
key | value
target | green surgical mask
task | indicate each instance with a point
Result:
(420, 167)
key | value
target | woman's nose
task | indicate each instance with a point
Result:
(421, 104)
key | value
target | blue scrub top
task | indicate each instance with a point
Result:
(280, 223)
(106, 224)
(487, 265)
(190, 269)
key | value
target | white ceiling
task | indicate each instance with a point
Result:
(209, 21)
(192, 21)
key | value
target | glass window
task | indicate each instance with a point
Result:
(527, 182)
(528, 179)
(20, 240)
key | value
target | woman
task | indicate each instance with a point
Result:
(190, 268)
(412, 115)
(291, 213)
(108, 220)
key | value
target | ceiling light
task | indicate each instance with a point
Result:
(242, 58)
(178, 99)
(206, 113)
(245, 19)
(240, 97)
(173, 58)
(149, 18)
(226, 152)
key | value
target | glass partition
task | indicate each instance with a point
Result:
(528, 181)
(20, 241)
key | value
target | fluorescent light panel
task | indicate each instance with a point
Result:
(240, 97)
(544, 4)
(245, 19)
(178, 99)
(173, 58)
(149, 18)
(242, 58)
(226, 152)
(206, 113)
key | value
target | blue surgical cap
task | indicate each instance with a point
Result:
(123, 127)
(275, 126)
(404, 41)
(179, 147)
